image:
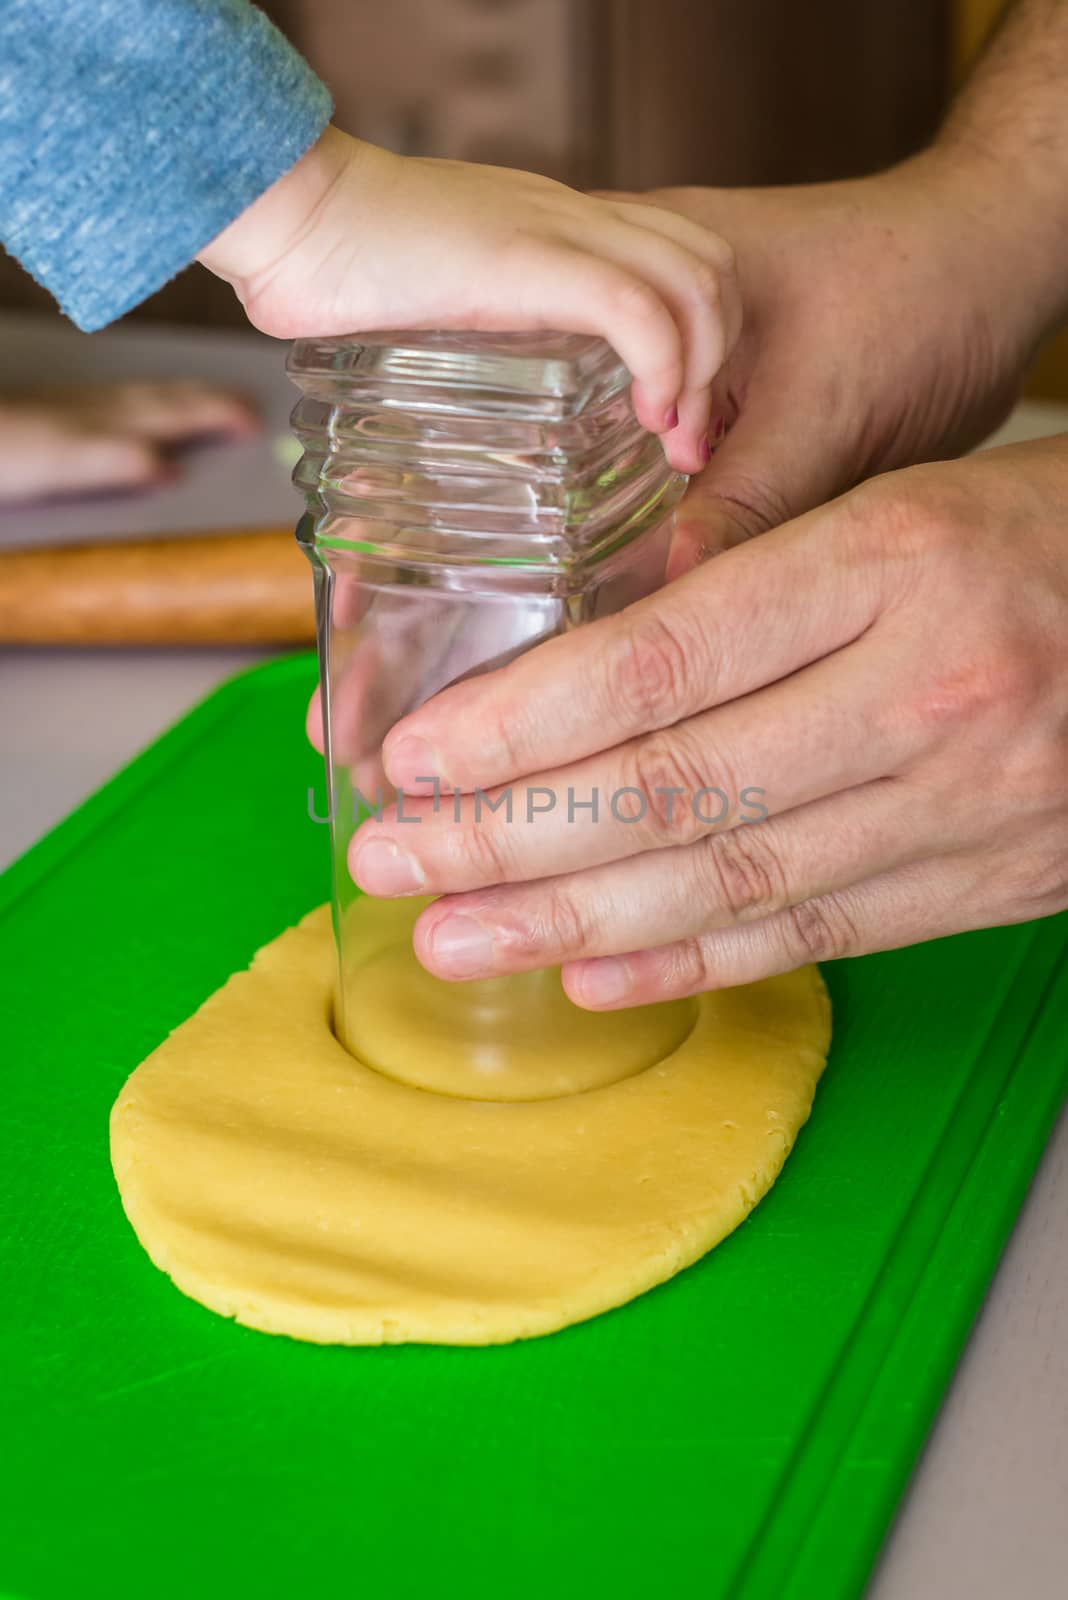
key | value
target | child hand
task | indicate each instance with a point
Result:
(354, 239)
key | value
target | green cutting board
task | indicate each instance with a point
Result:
(745, 1430)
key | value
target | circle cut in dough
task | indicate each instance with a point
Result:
(484, 1040)
(281, 1182)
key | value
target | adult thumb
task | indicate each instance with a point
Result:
(768, 468)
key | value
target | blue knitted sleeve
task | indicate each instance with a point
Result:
(133, 131)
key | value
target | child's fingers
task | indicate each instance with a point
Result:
(688, 448)
(702, 242)
(690, 287)
(568, 286)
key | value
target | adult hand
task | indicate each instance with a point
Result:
(887, 671)
(887, 321)
(109, 436)
(357, 239)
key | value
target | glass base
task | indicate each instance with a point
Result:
(516, 1038)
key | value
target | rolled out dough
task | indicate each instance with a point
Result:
(279, 1181)
(484, 1040)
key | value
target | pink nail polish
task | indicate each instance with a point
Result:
(671, 418)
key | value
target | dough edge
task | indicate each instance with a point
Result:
(303, 969)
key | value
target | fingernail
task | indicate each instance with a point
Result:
(603, 982)
(720, 429)
(382, 867)
(412, 763)
(704, 450)
(671, 418)
(461, 947)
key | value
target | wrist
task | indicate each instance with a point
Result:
(252, 247)
(1011, 217)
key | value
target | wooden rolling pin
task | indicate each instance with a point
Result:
(252, 587)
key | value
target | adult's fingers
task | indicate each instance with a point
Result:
(762, 611)
(775, 461)
(818, 732)
(919, 901)
(747, 873)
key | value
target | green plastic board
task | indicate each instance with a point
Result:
(745, 1430)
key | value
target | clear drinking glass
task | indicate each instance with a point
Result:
(468, 495)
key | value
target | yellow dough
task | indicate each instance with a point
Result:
(485, 1040)
(280, 1181)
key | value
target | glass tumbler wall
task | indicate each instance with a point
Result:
(468, 497)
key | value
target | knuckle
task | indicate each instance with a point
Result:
(751, 504)
(707, 283)
(1037, 879)
(887, 508)
(911, 515)
(686, 968)
(822, 929)
(509, 718)
(744, 872)
(1036, 778)
(995, 685)
(650, 673)
(966, 694)
(662, 770)
(561, 923)
(540, 922)
(635, 300)
(726, 256)
(484, 851)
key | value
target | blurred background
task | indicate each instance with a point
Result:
(193, 550)
(618, 93)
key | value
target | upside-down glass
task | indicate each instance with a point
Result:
(468, 495)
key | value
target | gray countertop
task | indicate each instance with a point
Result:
(986, 1515)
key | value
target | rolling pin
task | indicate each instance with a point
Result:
(250, 587)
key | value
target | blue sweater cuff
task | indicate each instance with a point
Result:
(134, 131)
